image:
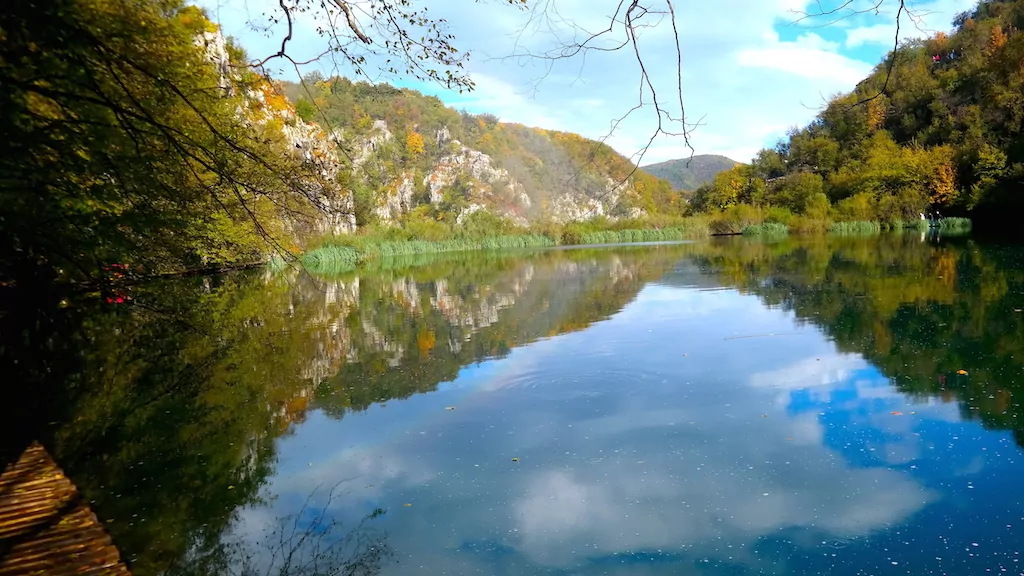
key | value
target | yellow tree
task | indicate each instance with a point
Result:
(414, 143)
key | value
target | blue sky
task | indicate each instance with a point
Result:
(750, 69)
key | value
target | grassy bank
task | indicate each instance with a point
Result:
(374, 244)
(766, 229)
(336, 256)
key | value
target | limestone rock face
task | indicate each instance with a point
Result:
(376, 160)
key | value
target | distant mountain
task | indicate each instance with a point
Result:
(690, 173)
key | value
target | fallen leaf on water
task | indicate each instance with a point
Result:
(449, 407)
(788, 439)
(406, 504)
(913, 412)
(231, 487)
(962, 372)
(515, 459)
(896, 413)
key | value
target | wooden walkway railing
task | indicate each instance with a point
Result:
(46, 527)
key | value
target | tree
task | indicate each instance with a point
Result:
(123, 142)
(413, 143)
(797, 191)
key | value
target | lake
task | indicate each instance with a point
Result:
(820, 405)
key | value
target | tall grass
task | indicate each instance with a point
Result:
(635, 235)
(855, 228)
(766, 229)
(955, 224)
(333, 258)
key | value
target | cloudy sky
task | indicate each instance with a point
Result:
(751, 68)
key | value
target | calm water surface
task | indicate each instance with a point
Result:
(818, 406)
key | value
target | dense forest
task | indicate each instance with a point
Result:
(937, 126)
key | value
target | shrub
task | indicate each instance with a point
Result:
(858, 227)
(958, 224)
(766, 229)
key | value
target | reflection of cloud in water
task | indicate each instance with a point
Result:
(623, 453)
(705, 497)
(810, 372)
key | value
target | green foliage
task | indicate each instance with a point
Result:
(305, 109)
(947, 133)
(484, 224)
(855, 228)
(766, 229)
(796, 191)
(120, 146)
(955, 224)
(735, 219)
(645, 235)
(332, 259)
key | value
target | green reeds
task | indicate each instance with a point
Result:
(766, 229)
(855, 228)
(637, 235)
(333, 258)
(955, 224)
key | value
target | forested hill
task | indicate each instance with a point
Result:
(942, 132)
(689, 173)
(411, 153)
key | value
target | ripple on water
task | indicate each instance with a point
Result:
(580, 380)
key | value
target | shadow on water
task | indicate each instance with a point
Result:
(166, 411)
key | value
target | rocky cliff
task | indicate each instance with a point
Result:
(378, 153)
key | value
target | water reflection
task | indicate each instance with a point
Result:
(798, 407)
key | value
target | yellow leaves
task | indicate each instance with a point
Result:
(425, 341)
(414, 143)
(42, 106)
(962, 372)
(876, 114)
(942, 183)
(996, 41)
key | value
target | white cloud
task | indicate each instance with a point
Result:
(924, 19)
(831, 70)
(876, 34)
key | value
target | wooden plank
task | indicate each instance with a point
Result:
(45, 527)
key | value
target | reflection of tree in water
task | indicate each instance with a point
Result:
(920, 312)
(310, 542)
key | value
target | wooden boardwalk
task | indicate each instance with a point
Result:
(46, 527)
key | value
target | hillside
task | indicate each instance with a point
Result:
(944, 131)
(690, 173)
(409, 153)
